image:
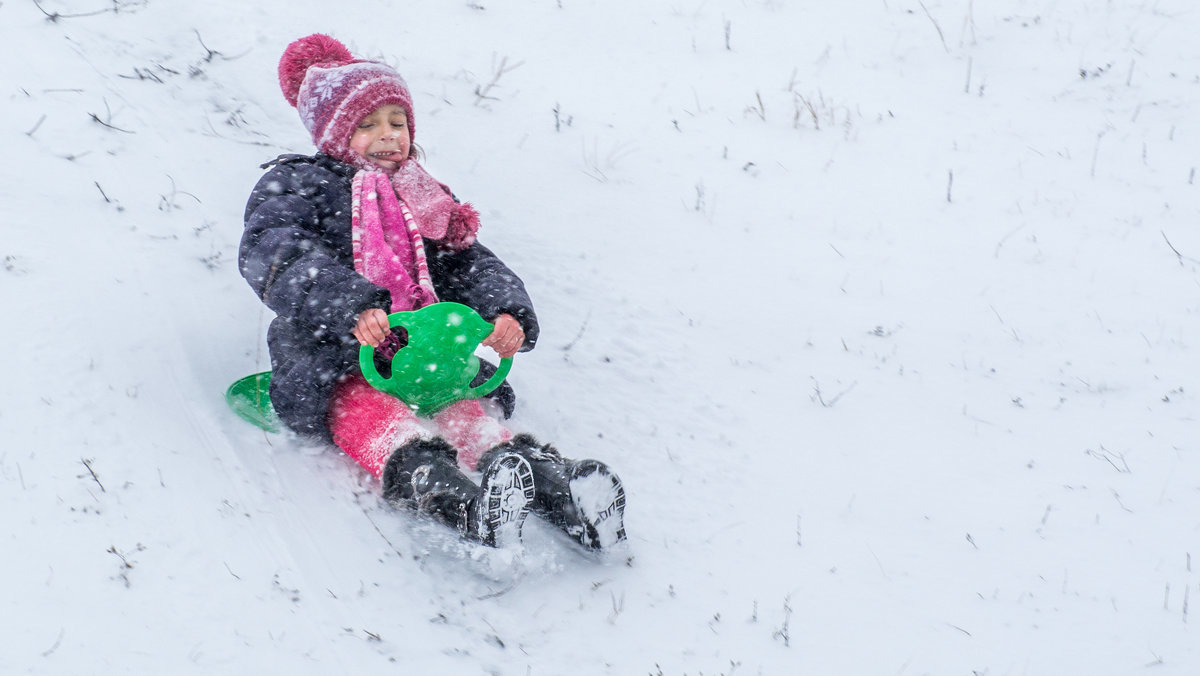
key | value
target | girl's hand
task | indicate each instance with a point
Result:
(507, 337)
(372, 327)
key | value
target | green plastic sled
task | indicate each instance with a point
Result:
(248, 398)
(434, 370)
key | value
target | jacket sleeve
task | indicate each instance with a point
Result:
(285, 256)
(476, 277)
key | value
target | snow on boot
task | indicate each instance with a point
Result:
(584, 498)
(506, 494)
(406, 459)
(423, 474)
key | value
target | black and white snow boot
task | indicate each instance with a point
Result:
(582, 497)
(423, 474)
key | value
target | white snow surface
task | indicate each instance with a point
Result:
(886, 312)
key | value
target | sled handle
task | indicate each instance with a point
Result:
(444, 337)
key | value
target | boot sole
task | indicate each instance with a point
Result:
(599, 498)
(508, 492)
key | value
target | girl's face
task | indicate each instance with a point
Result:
(382, 137)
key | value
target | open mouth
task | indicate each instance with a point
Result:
(388, 155)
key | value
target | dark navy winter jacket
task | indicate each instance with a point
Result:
(296, 254)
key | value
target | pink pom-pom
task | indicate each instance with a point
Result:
(462, 228)
(314, 50)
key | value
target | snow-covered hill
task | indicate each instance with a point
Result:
(887, 313)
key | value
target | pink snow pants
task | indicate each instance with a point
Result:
(368, 425)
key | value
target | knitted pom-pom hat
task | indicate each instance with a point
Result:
(333, 91)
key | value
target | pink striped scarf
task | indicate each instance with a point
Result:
(439, 217)
(388, 247)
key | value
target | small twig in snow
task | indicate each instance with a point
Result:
(1107, 455)
(209, 53)
(784, 632)
(55, 16)
(1178, 255)
(35, 127)
(106, 124)
(87, 462)
(618, 605)
(759, 109)
(941, 36)
(108, 121)
(126, 566)
(168, 202)
(582, 329)
(57, 642)
(481, 91)
(558, 119)
(812, 111)
(830, 404)
(1005, 238)
(1117, 497)
(968, 22)
(498, 592)
(495, 637)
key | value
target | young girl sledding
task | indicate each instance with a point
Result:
(336, 241)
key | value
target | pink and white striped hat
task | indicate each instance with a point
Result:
(333, 91)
